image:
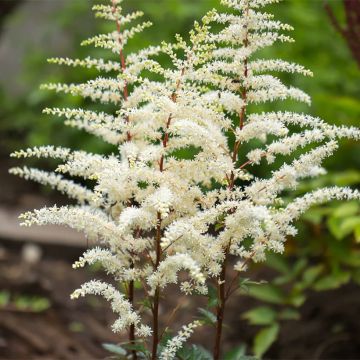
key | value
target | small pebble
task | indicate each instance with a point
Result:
(31, 253)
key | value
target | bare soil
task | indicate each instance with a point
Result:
(329, 327)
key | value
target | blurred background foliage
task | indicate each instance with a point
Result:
(326, 255)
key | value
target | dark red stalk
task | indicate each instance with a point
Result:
(222, 293)
(351, 30)
(131, 287)
(155, 308)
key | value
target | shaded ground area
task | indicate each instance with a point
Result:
(66, 329)
(329, 328)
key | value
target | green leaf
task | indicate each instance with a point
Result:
(219, 226)
(334, 225)
(299, 266)
(262, 315)
(40, 304)
(296, 299)
(138, 347)
(352, 258)
(4, 298)
(350, 224)
(212, 296)
(346, 178)
(146, 302)
(332, 281)
(356, 276)
(346, 209)
(289, 314)
(264, 339)
(76, 327)
(278, 262)
(315, 215)
(292, 273)
(207, 316)
(194, 352)
(115, 349)
(268, 292)
(342, 227)
(138, 285)
(357, 233)
(245, 284)
(311, 274)
(238, 353)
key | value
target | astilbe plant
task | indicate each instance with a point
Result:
(154, 212)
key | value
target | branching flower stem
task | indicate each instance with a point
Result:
(131, 287)
(222, 292)
(123, 64)
(155, 308)
(156, 302)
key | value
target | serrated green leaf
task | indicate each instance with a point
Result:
(262, 315)
(264, 339)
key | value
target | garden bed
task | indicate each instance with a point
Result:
(40, 321)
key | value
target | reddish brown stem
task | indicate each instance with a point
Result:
(351, 29)
(222, 294)
(220, 310)
(155, 308)
(123, 67)
(130, 288)
(132, 326)
(155, 324)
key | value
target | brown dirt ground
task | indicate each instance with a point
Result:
(329, 327)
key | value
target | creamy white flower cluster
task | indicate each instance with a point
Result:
(119, 305)
(177, 342)
(177, 195)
